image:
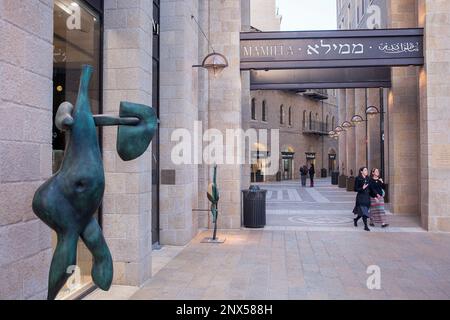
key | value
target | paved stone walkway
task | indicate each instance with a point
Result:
(306, 265)
(309, 250)
(323, 208)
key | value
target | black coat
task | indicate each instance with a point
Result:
(303, 171)
(363, 196)
(312, 172)
(376, 188)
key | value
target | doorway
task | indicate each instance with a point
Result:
(287, 165)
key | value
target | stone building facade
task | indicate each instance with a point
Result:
(415, 140)
(149, 201)
(144, 51)
(303, 124)
(303, 120)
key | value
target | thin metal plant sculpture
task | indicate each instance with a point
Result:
(68, 201)
(213, 197)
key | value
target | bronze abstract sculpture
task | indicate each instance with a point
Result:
(213, 197)
(68, 201)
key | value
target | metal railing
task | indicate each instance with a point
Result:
(316, 127)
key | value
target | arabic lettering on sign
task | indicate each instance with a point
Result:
(399, 47)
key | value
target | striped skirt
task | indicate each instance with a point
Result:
(377, 213)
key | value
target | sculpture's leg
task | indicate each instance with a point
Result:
(216, 212)
(102, 269)
(65, 256)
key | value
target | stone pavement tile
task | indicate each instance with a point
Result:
(191, 294)
(360, 293)
(175, 275)
(310, 267)
(151, 293)
(216, 293)
(201, 281)
(317, 295)
(298, 293)
(278, 294)
(436, 294)
(329, 272)
(257, 293)
(251, 270)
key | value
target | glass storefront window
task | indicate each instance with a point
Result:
(77, 41)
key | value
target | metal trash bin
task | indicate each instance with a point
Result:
(279, 176)
(335, 178)
(342, 181)
(351, 184)
(254, 207)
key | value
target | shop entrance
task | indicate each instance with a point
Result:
(74, 46)
(287, 168)
(332, 158)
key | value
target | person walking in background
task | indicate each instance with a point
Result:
(312, 173)
(303, 175)
(376, 186)
(362, 186)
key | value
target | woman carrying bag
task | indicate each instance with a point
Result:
(362, 198)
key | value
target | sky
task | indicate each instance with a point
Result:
(307, 14)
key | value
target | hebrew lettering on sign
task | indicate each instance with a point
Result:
(325, 46)
(347, 49)
(360, 49)
(313, 49)
(344, 49)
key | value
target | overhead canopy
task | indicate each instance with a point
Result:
(337, 78)
(331, 49)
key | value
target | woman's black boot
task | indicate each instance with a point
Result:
(366, 228)
(355, 221)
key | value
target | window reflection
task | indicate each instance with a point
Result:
(77, 41)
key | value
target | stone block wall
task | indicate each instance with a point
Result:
(404, 122)
(127, 77)
(225, 103)
(435, 116)
(26, 56)
(179, 110)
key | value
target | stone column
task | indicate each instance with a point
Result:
(179, 110)
(204, 176)
(351, 134)
(127, 202)
(360, 130)
(373, 98)
(26, 69)
(225, 102)
(435, 116)
(342, 98)
(403, 122)
(245, 96)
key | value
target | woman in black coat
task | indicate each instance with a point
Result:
(362, 198)
(312, 173)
